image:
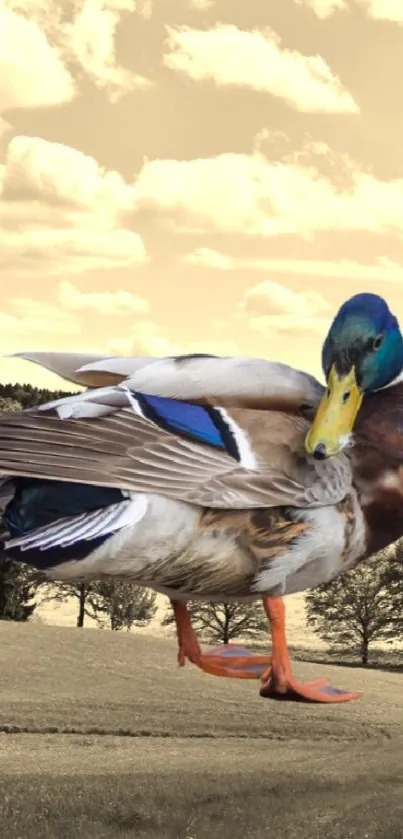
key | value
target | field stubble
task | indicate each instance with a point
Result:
(102, 737)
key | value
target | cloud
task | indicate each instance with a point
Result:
(382, 270)
(271, 326)
(5, 127)
(37, 251)
(48, 49)
(32, 73)
(383, 9)
(59, 174)
(144, 8)
(251, 195)
(270, 298)
(64, 315)
(324, 8)
(10, 325)
(269, 309)
(42, 317)
(391, 10)
(147, 338)
(209, 258)
(90, 39)
(60, 212)
(256, 59)
(105, 302)
(272, 310)
(201, 5)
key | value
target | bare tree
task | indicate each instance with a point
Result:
(221, 623)
(63, 592)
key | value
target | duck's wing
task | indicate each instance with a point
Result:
(209, 456)
(82, 368)
(230, 382)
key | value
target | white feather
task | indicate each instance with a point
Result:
(72, 529)
(396, 381)
(248, 457)
(133, 402)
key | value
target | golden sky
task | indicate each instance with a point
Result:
(196, 175)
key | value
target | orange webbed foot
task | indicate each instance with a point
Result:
(234, 662)
(278, 681)
(288, 688)
(237, 662)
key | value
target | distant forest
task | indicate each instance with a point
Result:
(29, 396)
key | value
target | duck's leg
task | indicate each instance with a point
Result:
(226, 660)
(187, 638)
(238, 662)
(278, 681)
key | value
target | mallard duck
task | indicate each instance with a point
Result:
(215, 478)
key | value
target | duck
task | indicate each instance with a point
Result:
(215, 478)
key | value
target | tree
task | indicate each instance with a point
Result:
(221, 623)
(8, 405)
(82, 592)
(393, 581)
(29, 396)
(114, 602)
(122, 604)
(358, 608)
(61, 592)
(18, 588)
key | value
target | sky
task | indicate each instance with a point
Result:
(196, 175)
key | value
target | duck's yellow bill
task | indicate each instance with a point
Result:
(335, 417)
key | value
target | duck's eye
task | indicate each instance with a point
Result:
(346, 396)
(377, 342)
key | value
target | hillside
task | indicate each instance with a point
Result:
(68, 678)
(103, 737)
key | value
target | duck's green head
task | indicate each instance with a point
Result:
(363, 352)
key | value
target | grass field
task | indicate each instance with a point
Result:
(101, 736)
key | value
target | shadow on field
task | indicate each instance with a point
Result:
(169, 806)
(112, 788)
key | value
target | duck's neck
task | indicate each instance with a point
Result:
(382, 506)
(378, 465)
(396, 381)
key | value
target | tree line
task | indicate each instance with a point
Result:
(357, 609)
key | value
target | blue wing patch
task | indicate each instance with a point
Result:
(203, 424)
(193, 420)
